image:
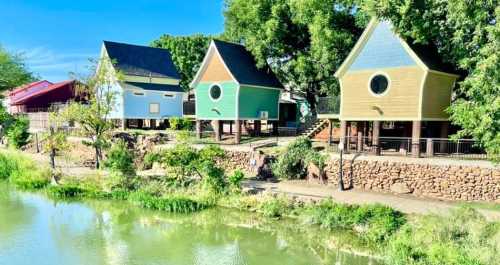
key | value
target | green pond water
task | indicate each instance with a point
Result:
(37, 230)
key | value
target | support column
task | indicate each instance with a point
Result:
(152, 124)
(124, 124)
(360, 127)
(198, 129)
(376, 137)
(217, 130)
(330, 132)
(443, 148)
(415, 138)
(275, 128)
(237, 136)
(257, 127)
(343, 132)
(231, 127)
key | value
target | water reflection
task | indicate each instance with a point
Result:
(97, 232)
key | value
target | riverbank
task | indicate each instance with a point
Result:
(388, 233)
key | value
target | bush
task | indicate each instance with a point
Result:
(180, 124)
(173, 203)
(150, 159)
(374, 222)
(276, 207)
(17, 133)
(120, 159)
(211, 153)
(66, 191)
(291, 164)
(30, 179)
(7, 166)
(465, 237)
(213, 177)
(236, 178)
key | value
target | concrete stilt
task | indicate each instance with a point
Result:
(257, 127)
(415, 138)
(376, 137)
(198, 129)
(237, 136)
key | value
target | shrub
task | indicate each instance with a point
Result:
(211, 152)
(181, 160)
(291, 164)
(17, 133)
(150, 159)
(236, 178)
(120, 159)
(213, 177)
(276, 207)
(30, 178)
(465, 237)
(374, 222)
(7, 166)
(173, 203)
(66, 191)
(180, 124)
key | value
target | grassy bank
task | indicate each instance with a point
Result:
(463, 238)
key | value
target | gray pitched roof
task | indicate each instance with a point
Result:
(141, 60)
(242, 65)
(151, 86)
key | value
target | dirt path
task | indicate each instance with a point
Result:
(404, 203)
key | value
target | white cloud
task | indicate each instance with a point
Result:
(47, 62)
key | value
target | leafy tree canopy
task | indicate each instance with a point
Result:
(304, 41)
(13, 71)
(467, 34)
(187, 53)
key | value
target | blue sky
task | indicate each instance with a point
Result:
(58, 37)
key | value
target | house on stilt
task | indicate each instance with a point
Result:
(395, 93)
(231, 89)
(149, 92)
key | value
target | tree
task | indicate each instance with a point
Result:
(13, 71)
(187, 53)
(55, 139)
(92, 117)
(304, 41)
(467, 35)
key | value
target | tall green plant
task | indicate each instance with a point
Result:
(17, 132)
(291, 163)
(120, 159)
(93, 117)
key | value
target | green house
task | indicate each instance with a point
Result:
(229, 87)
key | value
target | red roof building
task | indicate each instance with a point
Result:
(39, 96)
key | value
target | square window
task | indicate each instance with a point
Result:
(154, 108)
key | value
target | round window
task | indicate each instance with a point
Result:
(215, 92)
(379, 84)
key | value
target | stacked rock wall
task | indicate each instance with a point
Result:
(448, 182)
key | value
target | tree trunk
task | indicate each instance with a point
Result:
(97, 156)
(53, 158)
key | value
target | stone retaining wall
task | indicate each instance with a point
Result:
(464, 183)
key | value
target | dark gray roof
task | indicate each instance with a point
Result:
(141, 60)
(431, 58)
(150, 86)
(242, 65)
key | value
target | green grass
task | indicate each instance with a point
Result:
(482, 205)
(168, 203)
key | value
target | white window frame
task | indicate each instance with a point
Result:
(388, 84)
(154, 103)
(210, 94)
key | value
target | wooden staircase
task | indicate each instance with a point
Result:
(315, 128)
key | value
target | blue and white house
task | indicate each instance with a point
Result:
(148, 90)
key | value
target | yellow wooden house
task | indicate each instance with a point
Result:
(388, 82)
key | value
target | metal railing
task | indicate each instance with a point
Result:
(328, 105)
(402, 146)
